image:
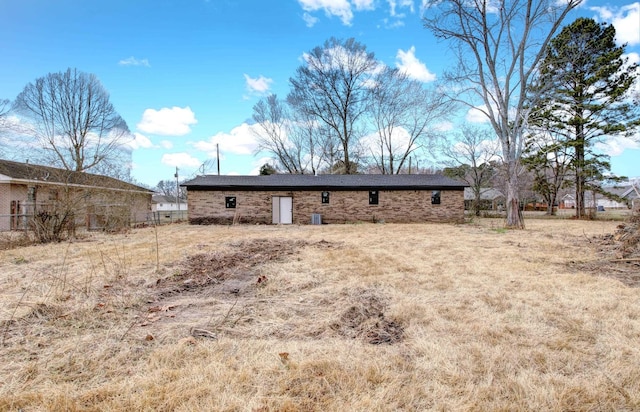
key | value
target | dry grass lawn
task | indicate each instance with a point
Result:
(359, 317)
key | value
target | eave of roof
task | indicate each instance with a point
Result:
(323, 182)
(27, 173)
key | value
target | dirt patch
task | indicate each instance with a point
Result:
(218, 293)
(236, 269)
(364, 319)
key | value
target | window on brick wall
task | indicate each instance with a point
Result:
(230, 202)
(435, 197)
(325, 197)
(373, 197)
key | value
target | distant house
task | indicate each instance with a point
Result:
(625, 193)
(490, 199)
(303, 199)
(621, 192)
(97, 202)
(163, 203)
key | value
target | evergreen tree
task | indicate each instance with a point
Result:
(587, 84)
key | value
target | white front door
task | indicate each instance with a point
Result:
(286, 210)
(282, 210)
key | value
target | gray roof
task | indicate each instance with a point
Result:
(325, 182)
(486, 193)
(52, 175)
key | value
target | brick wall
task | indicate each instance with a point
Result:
(400, 206)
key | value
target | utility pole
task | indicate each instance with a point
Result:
(218, 157)
(177, 189)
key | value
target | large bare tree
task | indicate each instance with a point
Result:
(71, 116)
(272, 118)
(401, 110)
(332, 86)
(499, 45)
(470, 155)
(297, 142)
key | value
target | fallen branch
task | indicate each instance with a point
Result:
(625, 260)
(203, 333)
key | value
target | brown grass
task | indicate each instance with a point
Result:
(342, 317)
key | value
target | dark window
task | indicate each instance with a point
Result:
(373, 197)
(325, 197)
(435, 197)
(230, 202)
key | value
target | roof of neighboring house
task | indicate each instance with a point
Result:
(165, 199)
(486, 193)
(630, 193)
(17, 172)
(325, 182)
(617, 190)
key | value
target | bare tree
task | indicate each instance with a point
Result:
(401, 110)
(332, 87)
(5, 105)
(297, 142)
(315, 140)
(549, 159)
(168, 188)
(470, 155)
(273, 119)
(499, 45)
(74, 122)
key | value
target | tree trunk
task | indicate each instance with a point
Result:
(515, 219)
(551, 210)
(580, 178)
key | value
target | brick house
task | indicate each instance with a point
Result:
(304, 199)
(97, 201)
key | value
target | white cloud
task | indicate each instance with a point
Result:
(140, 141)
(259, 85)
(180, 160)
(240, 140)
(633, 57)
(309, 19)
(258, 163)
(443, 126)
(476, 115)
(364, 4)
(166, 144)
(175, 121)
(395, 4)
(338, 8)
(625, 19)
(414, 68)
(400, 140)
(614, 146)
(132, 61)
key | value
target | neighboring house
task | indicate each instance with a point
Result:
(567, 201)
(490, 199)
(162, 203)
(301, 199)
(99, 202)
(626, 193)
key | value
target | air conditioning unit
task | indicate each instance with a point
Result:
(316, 219)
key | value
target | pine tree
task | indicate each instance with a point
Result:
(587, 82)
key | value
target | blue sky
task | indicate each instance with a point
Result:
(185, 74)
